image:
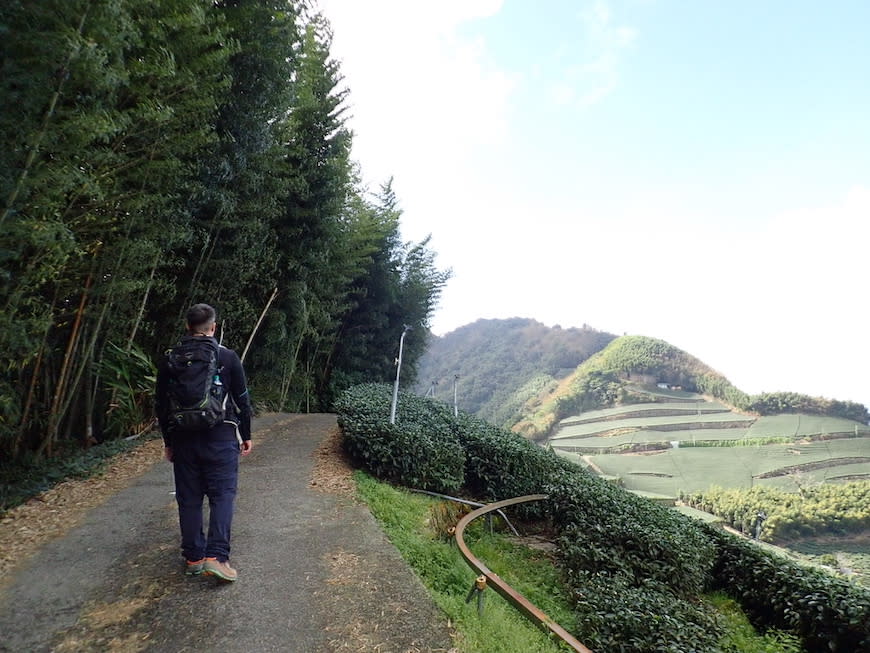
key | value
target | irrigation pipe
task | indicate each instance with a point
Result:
(510, 594)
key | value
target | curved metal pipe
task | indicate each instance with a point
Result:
(509, 593)
(466, 502)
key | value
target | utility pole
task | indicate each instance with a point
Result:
(455, 403)
(398, 371)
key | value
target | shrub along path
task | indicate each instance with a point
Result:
(316, 572)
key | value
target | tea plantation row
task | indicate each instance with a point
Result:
(636, 569)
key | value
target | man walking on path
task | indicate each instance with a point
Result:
(203, 439)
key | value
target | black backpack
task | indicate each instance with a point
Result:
(196, 397)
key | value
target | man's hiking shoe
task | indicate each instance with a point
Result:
(220, 570)
(193, 568)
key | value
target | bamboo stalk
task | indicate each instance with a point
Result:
(144, 303)
(211, 239)
(54, 416)
(257, 325)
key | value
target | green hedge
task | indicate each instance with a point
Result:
(604, 528)
(421, 450)
(828, 613)
(617, 615)
(501, 465)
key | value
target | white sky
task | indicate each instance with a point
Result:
(692, 171)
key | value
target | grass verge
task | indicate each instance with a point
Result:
(406, 519)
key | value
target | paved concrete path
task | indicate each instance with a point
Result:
(316, 572)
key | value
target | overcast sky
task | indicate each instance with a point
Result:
(696, 171)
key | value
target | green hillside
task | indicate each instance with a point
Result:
(639, 370)
(638, 571)
(501, 364)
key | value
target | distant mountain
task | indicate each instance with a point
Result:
(521, 374)
(501, 364)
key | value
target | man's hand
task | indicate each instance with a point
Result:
(167, 453)
(247, 445)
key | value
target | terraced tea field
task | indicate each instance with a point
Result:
(680, 442)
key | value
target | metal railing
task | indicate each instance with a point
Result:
(490, 578)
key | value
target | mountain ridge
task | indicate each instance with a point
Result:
(521, 374)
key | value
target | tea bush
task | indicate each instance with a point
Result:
(603, 528)
(501, 465)
(830, 614)
(616, 614)
(419, 451)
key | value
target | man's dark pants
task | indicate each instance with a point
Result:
(206, 464)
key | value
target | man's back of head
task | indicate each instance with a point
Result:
(200, 317)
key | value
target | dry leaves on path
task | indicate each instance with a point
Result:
(332, 471)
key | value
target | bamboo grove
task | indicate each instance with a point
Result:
(161, 153)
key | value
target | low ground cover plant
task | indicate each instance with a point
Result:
(23, 479)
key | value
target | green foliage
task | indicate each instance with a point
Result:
(652, 360)
(420, 450)
(835, 509)
(397, 285)
(156, 154)
(594, 390)
(511, 406)
(131, 376)
(501, 465)
(637, 570)
(776, 403)
(601, 528)
(113, 103)
(829, 614)
(615, 613)
(604, 529)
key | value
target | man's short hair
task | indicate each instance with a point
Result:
(200, 316)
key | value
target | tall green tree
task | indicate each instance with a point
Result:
(310, 229)
(118, 100)
(233, 263)
(399, 287)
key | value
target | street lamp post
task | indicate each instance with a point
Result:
(455, 402)
(398, 371)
